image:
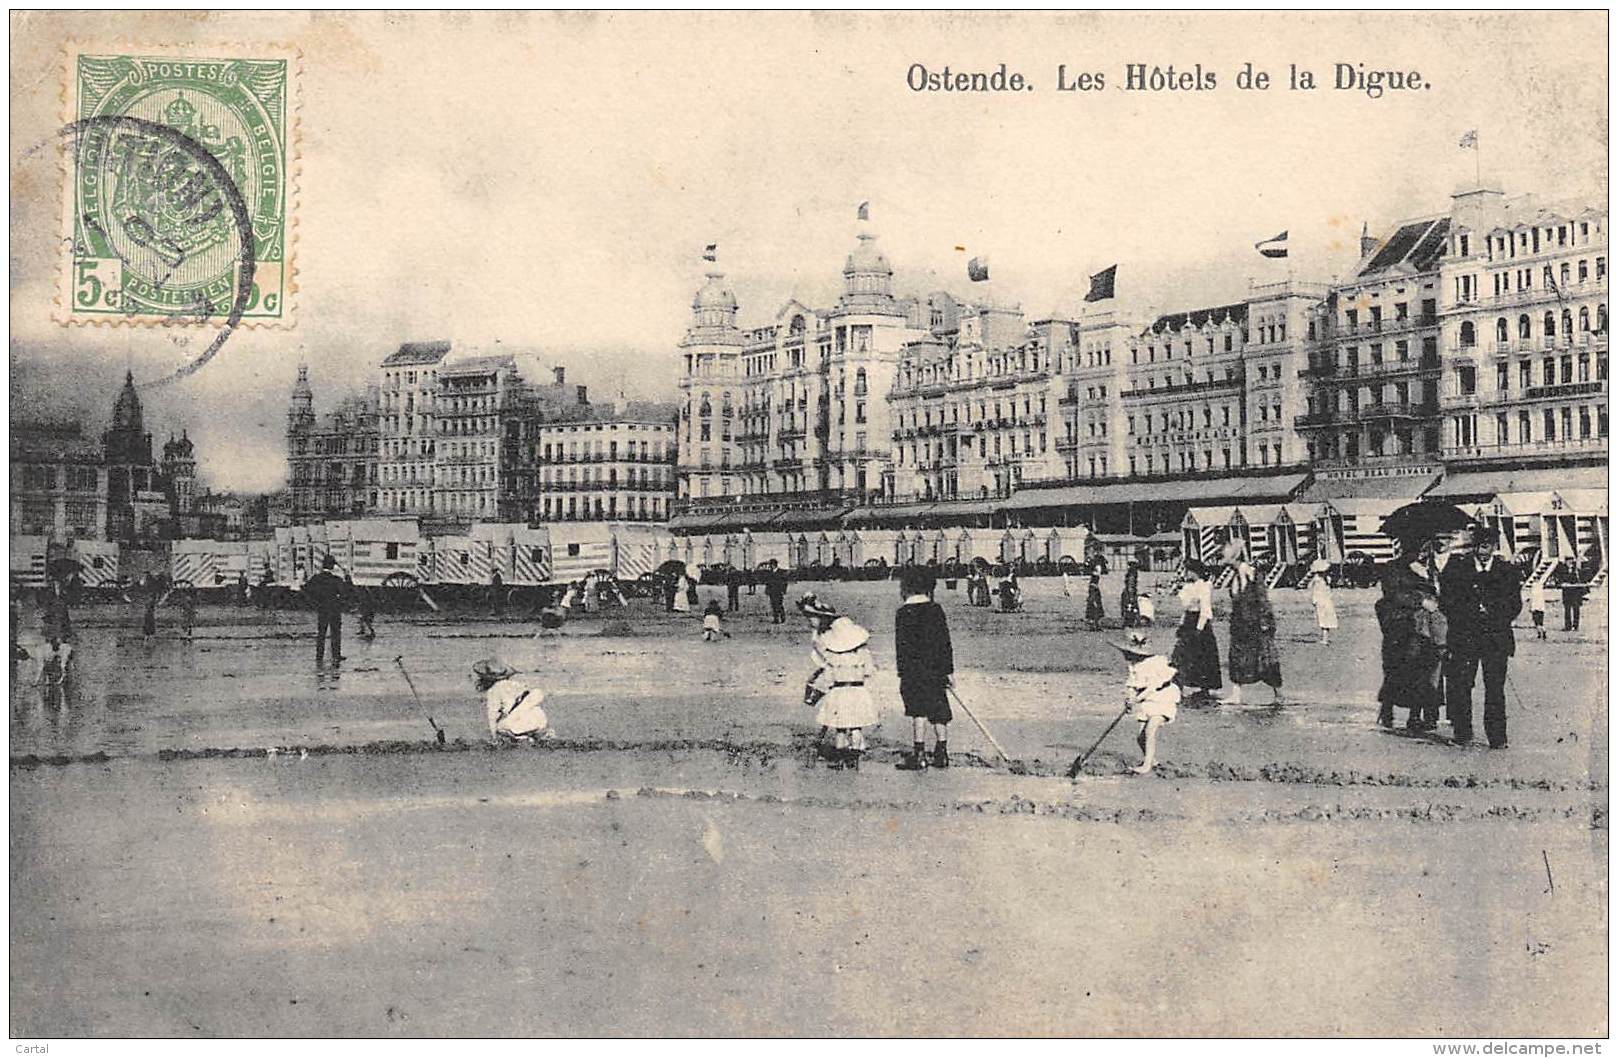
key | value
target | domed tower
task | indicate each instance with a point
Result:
(710, 378)
(127, 441)
(180, 472)
(868, 280)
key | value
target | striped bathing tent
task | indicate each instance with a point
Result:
(28, 554)
(639, 549)
(1023, 545)
(373, 549)
(850, 548)
(1590, 525)
(496, 538)
(1353, 527)
(1292, 534)
(1066, 543)
(823, 547)
(1522, 518)
(260, 557)
(459, 560)
(1206, 530)
(578, 548)
(203, 563)
(299, 552)
(98, 562)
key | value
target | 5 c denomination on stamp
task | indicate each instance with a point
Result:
(181, 189)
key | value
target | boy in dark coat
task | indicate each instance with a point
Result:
(926, 665)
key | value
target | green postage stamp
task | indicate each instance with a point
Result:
(182, 183)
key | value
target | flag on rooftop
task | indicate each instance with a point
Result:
(865, 210)
(1276, 246)
(711, 252)
(977, 269)
(1102, 284)
(1470, 139)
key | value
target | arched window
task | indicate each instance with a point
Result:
(1567, 321)
(707, 406)
(1584, 317)
(1501, 331)
(1469, 335)
(1524, 327)
(859, 382)
(1601, 318)
(1550, 325)
(797, 325)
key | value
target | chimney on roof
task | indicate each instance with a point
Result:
(583, 391)
(561, 375)
(1367, 243)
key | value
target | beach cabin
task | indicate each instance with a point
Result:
(874, 545)
(849, 547)
(578, 548)
(28, 555)
(98, 562)
(260, 561)
(823, 548)
(1065, 543)
(1206, 530)
(771, 549)
(530, 557)
(453, 561)
(1352, 528)
(638, 549)
(200, 563)
(496, 538)
(985, 544)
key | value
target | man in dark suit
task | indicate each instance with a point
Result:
(327, 592)
(1480, 594)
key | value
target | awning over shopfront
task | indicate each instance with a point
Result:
(822, 518)
(897, 514)
(1479, 486)
(1273, 488)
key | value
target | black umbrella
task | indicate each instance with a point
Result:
(1423, 520)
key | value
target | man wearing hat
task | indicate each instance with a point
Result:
(326, 591)
(1480, 594)
(513, 700)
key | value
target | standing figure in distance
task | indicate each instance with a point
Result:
(325, 590)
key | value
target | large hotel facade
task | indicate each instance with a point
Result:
(1470, 340)
(469, 439)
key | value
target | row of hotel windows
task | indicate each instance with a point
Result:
(1187, 461)
(78, 479)
(1467, 377)
(1401, 314)
(1467, 287)
(1010, 362)
(1525, 325)
(1528, 241)
(1556, 424)
(634, 477)
(923, 452)
(1168, 349)
(598, 448)
(576, 507)
(1005, 411)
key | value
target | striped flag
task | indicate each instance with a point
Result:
(1275, 246)
(711, 252)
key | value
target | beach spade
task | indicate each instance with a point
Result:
(438, 732)
(1016, 767)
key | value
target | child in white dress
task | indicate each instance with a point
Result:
(1151, 689)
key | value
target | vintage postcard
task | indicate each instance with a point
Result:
(810, 525)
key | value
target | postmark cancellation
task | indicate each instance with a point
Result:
(179, 187)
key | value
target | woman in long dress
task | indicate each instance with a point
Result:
(1196, 651)
(1094, 610)
(1325, 607)
(1253, 657)
(682, 595)
(1414, 637)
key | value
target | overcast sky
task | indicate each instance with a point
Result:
(545, 183)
